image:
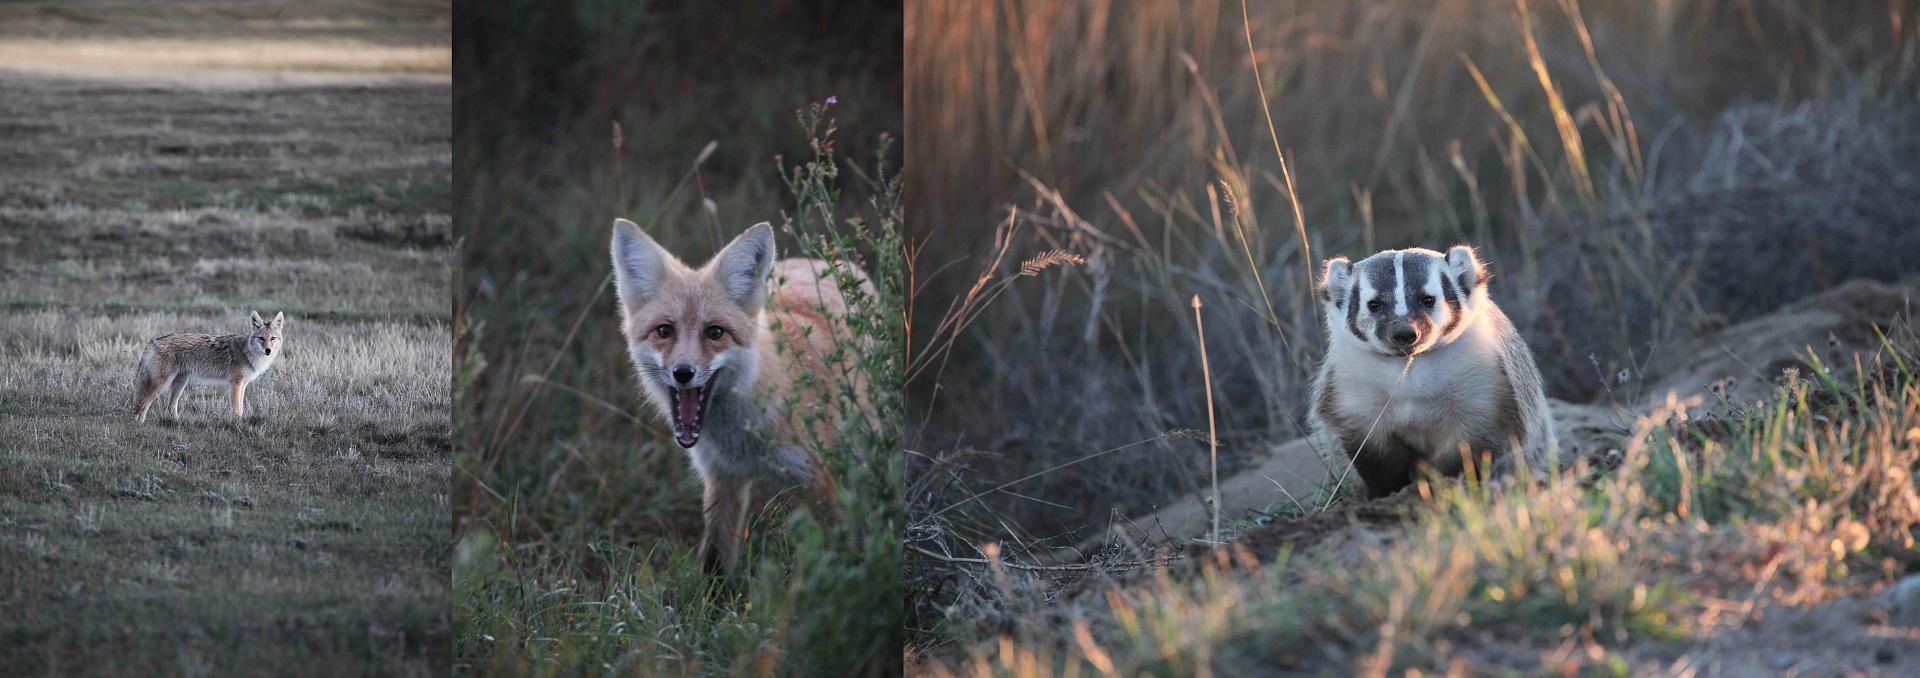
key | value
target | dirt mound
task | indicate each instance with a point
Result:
(1744, 361)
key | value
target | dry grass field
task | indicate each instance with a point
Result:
(308, 538)
(1651, 182)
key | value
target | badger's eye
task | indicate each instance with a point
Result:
(664, 331)
(1426, 300)
(714, 333)
(1373, 305)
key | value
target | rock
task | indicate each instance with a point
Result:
(1902, 601)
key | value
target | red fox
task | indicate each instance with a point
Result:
(174, 361)
(720, 352)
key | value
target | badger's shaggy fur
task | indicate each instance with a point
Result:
(1420, 366)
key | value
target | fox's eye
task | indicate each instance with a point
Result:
(714, 333)
(664, 331)
(1426, 300)
(1373, 305)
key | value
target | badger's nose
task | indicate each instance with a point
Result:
(683, 373)
(1405, 336)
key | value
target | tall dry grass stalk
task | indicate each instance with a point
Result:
(1213, 431)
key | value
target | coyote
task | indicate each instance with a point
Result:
(176, 360)
(703, 342)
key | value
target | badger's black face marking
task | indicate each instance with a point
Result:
(1453, 305)
(1404, 302)
(1398, 303)
(1353, 310)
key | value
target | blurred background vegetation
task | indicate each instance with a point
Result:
(564, 479)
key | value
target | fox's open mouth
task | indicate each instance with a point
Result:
(689, 408)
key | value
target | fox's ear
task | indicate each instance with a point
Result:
(257, 322)
(742, 267)
(1465, 267)
(1334, 281)
(279, 320)
(639, 264)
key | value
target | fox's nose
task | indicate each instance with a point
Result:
(1405, 336)
(683, 373)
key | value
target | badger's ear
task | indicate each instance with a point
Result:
(741, 268)
(1463, 264)
(279, 320)
(639, 264)
(1334, 281)
(257, 322)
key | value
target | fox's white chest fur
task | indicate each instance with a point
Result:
(741, 444)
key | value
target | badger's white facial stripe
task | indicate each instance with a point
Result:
(1400, 283)
(1359, 319)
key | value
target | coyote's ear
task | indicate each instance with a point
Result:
(257, 322)
(279, 320)
(741, 268)
(1465, 268)
(1334, 281)
(639, 264)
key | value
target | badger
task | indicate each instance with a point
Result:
(1421, 365)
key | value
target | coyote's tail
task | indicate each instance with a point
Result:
(140, 374)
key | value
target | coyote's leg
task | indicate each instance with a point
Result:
(179, 389)
(239, 398)
(720, 539)
(145, 393)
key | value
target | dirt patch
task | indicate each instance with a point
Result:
(1317, 529)
(401, 232)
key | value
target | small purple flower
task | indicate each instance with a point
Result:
(831, 100)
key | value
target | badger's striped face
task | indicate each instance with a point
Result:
(1403, 302)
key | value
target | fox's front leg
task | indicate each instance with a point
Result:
(725, 515)
(239, 398)
(823, 491)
